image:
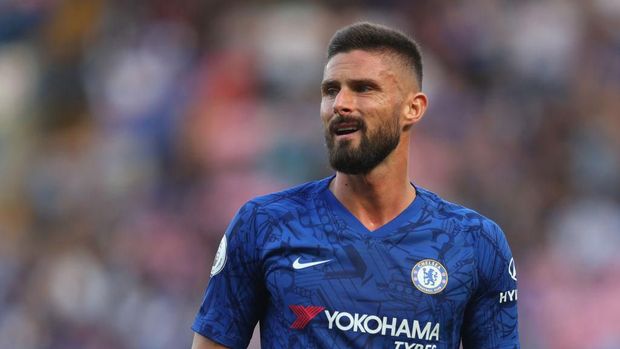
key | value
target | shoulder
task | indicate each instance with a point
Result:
(296, 198)
(465, 219)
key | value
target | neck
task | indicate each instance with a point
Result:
(379, 196)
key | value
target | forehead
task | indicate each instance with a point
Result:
(358, 64)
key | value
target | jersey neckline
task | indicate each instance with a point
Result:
(387, 229)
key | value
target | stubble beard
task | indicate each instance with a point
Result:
(373, 148)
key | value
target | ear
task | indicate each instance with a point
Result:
(415, 107)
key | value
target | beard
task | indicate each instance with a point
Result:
(373, 147)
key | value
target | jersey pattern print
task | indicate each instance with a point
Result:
(300, 263)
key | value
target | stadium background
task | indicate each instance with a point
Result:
(131, 131)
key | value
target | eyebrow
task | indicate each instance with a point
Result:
(351, 82)
(329, 83)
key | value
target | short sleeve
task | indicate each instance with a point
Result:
(491, 315)
(233, 301)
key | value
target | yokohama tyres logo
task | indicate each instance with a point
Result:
(304, 314)
(371, 324)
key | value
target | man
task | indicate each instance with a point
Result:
(362, 259)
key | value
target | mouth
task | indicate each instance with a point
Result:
(344, 128)
(341, 131)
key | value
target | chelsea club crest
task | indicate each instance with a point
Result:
(429, 276)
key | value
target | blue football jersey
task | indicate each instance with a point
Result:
(300, 263)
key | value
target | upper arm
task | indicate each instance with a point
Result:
(491, 315)
(234, 299)
(201, 342)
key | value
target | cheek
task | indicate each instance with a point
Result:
(326, 111)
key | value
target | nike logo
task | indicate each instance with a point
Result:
(299, 265)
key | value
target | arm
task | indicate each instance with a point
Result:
(490, 320)
(201, 342)
(235, 297)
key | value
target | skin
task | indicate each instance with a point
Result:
(201, 342)
(373, 86)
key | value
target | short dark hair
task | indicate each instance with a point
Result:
(375, 37)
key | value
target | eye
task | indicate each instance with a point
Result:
(330, 91)
(364, 88)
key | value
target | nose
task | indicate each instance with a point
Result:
(344, 102)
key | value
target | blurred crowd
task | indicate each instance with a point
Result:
(131, 131)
